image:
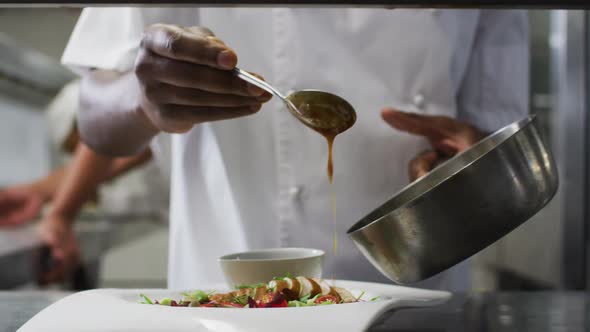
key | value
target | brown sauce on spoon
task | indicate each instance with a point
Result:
(327, 114)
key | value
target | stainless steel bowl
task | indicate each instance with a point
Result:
(461, 207)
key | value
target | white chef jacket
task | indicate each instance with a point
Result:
(260, 181)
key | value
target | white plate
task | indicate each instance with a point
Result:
(118, 310)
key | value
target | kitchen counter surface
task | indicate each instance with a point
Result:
(19, 247)
(491, 312)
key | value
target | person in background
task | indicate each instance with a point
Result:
(258, 180)
(22, 203)
(67, 188)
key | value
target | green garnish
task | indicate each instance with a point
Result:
(242, 299)
(305, 297)
(147, 299)
(298, 304)
(250, 286)
(166, 301)
(288, 275)
(359, 297)
(374, 299)
(198, 296)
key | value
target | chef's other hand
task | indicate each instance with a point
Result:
(59, 238)
(447, 137)
(19, 205)
(185, 76)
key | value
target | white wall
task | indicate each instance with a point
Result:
(44, 29)
(24, 147)
(140, 263)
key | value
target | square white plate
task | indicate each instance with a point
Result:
(118, 310)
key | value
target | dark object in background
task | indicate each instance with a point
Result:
(80, 280)
(45, 261)
(512, 281)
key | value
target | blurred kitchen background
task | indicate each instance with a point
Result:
(124, 237)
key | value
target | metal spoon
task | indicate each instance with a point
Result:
(323, 112)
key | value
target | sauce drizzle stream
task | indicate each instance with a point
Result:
(330, 140)
(329, 117)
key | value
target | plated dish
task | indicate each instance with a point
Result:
(119, 310)
(281, 292)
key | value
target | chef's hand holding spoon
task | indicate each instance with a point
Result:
(447, 137)
(185, 77)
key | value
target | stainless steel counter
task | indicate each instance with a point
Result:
(496, 312)
(16, 308)
(501, 312)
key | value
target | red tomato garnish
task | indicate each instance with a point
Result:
(326, 298)
(231, 304)
(278, 301)
(209, 305)
(252, 303)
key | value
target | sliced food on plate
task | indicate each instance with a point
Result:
(279, 292)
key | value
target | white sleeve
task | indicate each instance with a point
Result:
(108, 38)
(495, 88)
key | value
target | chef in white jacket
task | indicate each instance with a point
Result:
(259, 181)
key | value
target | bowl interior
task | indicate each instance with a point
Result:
(441, 173)
(273, 254)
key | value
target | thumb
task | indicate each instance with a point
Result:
(422, 164)
(423, 125)
(447, 147)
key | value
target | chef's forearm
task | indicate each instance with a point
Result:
(121, 166)
(110, 119)
(87, 171)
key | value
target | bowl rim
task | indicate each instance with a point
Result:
(515, 127)
(307, 253)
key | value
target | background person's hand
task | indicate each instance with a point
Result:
(185, 78)
(59, 237)
(19, 206)
(447, 137)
